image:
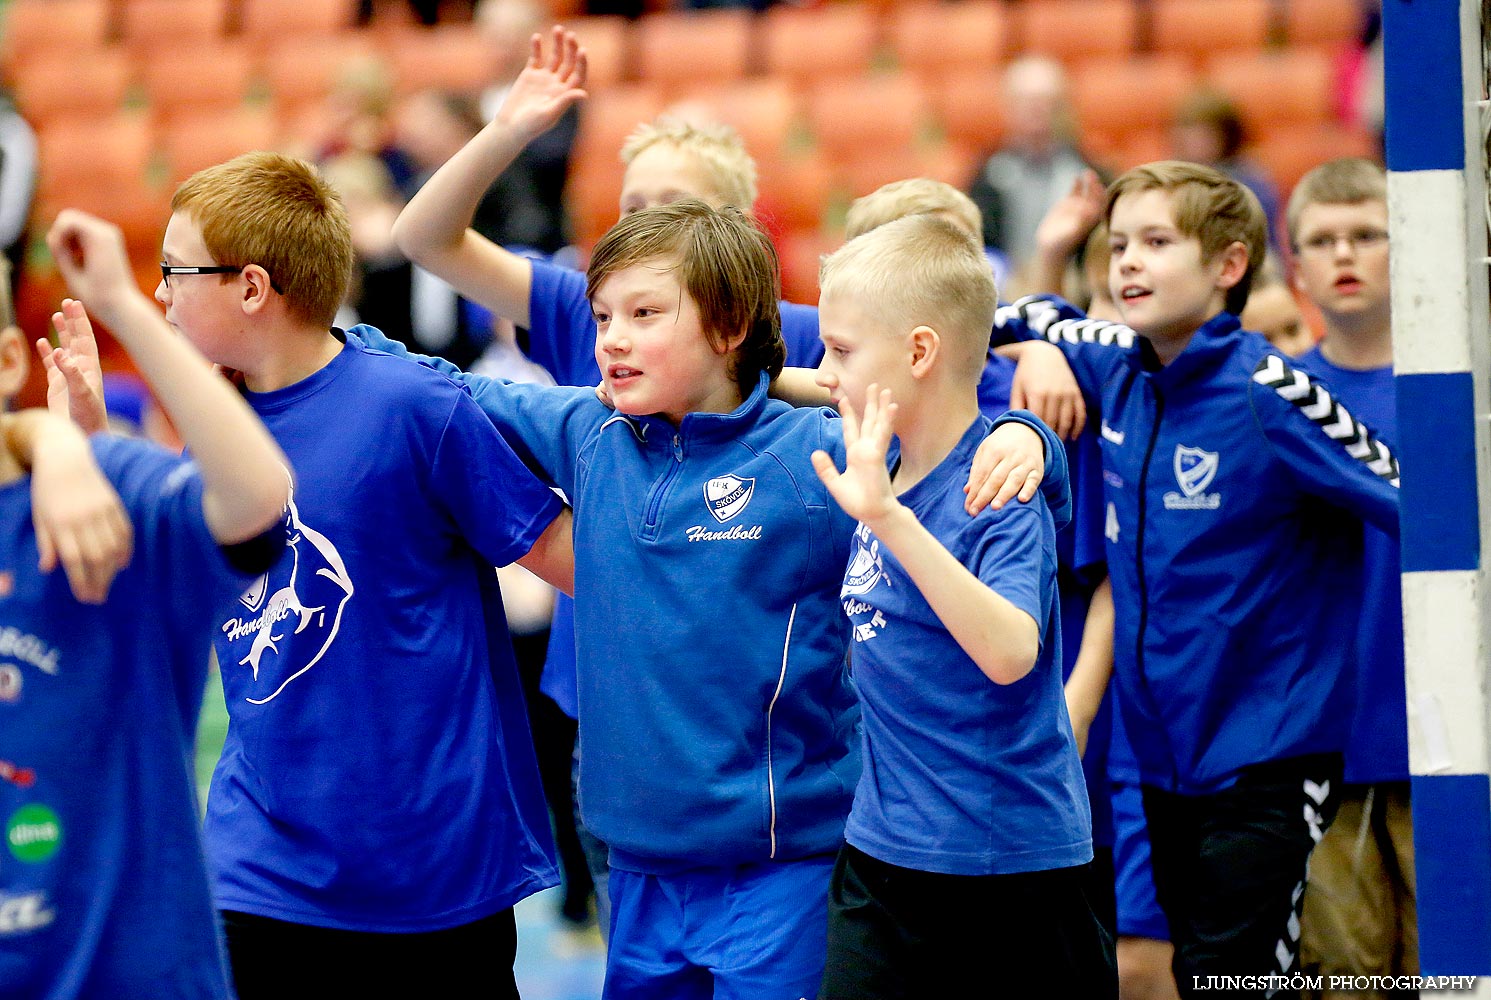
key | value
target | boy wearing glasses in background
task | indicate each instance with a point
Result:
(376, 811)
(1360, 914)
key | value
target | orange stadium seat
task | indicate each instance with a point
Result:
(608, 48)
(95, 83)
(304, 70)
(970, 106)
(103, 166)
(1277, 88)
(269, 23)
(591, 195)
(1078, 29)
(146, 24)
(795, 191)
(801, 252)
(1198, 28)
(1288, 152)
(1114, 97)
(1323, 22)
(451, 57)
(806, 44)
(765, 111)
(683, 49)
(934, 37)
(189, 80)
(944, 162)
(608, 117)
(41, 29)
(191, 144)
(851, 116)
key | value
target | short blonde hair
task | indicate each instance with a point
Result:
(920, 270)
(717, 147)
(275, 211)
(726, 264)
(1207, 205)
(1349, 180)
(916, 194)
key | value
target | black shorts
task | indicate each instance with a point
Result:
(1229, 868)
(898, 933)
(278, 960)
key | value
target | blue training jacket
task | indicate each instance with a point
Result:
(1235, 488)
(717, 722)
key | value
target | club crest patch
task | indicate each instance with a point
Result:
(1194, 469)
(727, 496)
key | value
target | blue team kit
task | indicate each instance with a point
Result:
(103, 893)
(378, 774)
(1232, 535)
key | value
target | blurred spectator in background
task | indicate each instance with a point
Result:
(1273, 311)
(17, 185)
(1038, 163)
(358, 117)
(1208, 129)
(528, 199)
(406, 302)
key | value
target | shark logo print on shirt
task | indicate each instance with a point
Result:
(295, 611)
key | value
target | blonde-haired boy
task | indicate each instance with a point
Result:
(912, 196)
(1235, 484)
(671, 156)
(931, 884)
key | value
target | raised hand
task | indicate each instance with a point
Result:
(90, 254)
(550, 82)
(863, 489)
(75, 384)
(1067, 223)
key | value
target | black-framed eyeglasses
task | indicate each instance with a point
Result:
(166, 270)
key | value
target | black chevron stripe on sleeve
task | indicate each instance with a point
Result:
(1331, 416)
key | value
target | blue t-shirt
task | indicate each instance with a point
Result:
(102, 888)
(1377, 748)
(378, 772)
(961, 775)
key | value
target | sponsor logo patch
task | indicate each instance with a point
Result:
(25, 912)
(33, 833)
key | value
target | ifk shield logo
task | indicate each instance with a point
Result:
(1194, 469)
(727, 496)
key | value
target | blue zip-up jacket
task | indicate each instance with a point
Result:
(1235, 488)
(716, 718)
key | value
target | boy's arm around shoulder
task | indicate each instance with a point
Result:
(1059, 350)
(1020, 455)
(542, 424)
(496, 503)
(1329, 452)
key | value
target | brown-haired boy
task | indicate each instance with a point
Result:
(1236, 491)
(376, 811)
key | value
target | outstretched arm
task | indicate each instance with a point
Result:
(434, 228)
(243, 471)
(999, 637)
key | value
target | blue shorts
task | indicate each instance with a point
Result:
(1139, 913)
(747, 932)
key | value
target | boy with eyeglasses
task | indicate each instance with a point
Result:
(1360, 914)
(376, 811)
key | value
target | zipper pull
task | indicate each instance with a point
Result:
(678, 447)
